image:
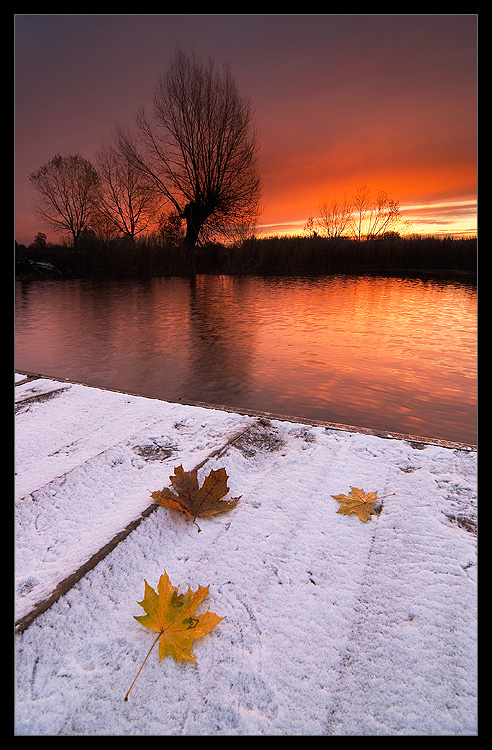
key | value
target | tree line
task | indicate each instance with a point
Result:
(362, 216)
(188, 166)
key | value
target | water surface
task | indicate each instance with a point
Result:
(384, 353)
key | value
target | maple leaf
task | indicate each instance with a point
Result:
(359, 502)
(172, 617)
(193, 499)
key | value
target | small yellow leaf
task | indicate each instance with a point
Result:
(359, 502)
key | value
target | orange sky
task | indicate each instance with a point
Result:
(388, 101)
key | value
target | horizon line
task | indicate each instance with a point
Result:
(418, 207)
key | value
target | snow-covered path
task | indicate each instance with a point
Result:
(332, 626)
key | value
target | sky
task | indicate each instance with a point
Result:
(339, 101)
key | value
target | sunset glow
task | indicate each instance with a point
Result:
(387, 101)
(456, 218)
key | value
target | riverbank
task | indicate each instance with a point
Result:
(392, 256)
(331, 625)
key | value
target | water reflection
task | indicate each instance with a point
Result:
(383, 353)
(220, 343)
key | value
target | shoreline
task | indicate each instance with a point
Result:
(386, 434)
(284, 256)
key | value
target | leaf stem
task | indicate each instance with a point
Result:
(128, 693)
(194, 521)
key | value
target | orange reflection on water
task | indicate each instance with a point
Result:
(390, 354)
(378, 351)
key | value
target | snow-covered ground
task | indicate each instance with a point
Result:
(332, 626)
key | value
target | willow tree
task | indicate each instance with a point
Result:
(199, 147)
(66, 189)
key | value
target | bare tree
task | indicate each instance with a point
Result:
(335, 217)
(361, 204)
(373, 217)
(126, 200)
(198, 146)
(66, 190)
(384, 216)
(361, 217)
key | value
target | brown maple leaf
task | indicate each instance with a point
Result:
(194, 500)
(359, 502)
(172, 616)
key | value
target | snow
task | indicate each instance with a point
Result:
(332, 626)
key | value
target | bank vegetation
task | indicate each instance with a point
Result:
(146, 257)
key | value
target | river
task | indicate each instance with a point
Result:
(381, 353)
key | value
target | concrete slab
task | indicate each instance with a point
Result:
(332, 626)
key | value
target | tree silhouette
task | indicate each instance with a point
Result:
(335, 217)
(374, 216)
(198, 147)
(362, 216)
(66, 191)
(125, 198)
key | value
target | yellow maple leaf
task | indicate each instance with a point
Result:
(172, 617)
(359, 502)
